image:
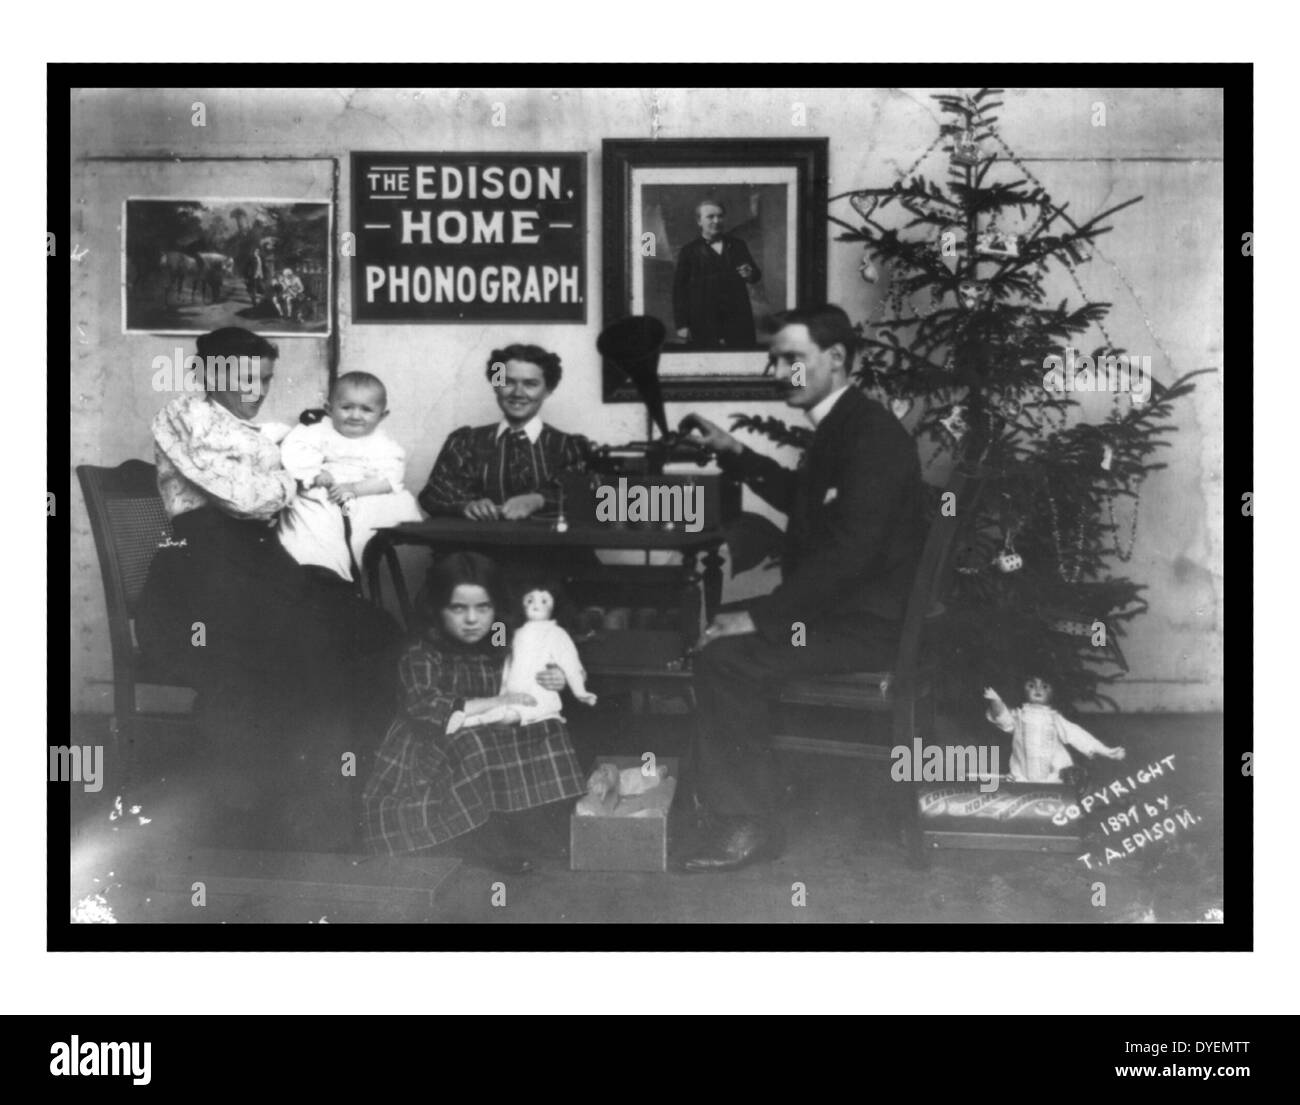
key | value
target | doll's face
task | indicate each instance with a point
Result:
(1038, 691)
(538, 606)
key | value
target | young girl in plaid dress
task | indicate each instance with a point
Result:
(428, 787)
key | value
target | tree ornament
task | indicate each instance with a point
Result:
(1008, 560)
(867, 270)
(955, 423)
(965, 149)
(864, 204)
(900, 405)
(895, 299)
(972, 293)
(994, 243)
(1125, 554)
(1072, 574)
(1107, 456)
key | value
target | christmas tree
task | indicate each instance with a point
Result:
(972, 355)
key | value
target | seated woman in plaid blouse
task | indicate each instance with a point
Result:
(428, 787)
(504, 470)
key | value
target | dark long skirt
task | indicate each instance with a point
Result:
(292, 670)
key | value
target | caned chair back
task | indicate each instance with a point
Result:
(129, 525)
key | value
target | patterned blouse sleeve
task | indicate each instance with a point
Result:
(452, 482)
(577, 449)
(239, 471)
(572, 456)
(302, 454)
(428, 686)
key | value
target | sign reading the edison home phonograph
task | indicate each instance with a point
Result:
(469, 237)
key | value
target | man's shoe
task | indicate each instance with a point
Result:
(736, 843)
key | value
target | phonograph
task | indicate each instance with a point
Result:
(632, 345)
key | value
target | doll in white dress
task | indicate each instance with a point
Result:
(345, 465)
(540, 641)
(1040, 746)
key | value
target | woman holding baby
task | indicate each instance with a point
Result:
(290, 664)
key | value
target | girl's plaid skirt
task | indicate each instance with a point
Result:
(427, 787)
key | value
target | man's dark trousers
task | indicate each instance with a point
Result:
(736, 678)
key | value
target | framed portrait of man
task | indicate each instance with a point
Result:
(712, 237)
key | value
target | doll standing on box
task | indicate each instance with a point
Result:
(1043, 738)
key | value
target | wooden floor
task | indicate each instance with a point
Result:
(841, 852)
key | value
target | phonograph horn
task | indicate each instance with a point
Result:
(633, 345)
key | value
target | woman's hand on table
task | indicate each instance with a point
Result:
(482, 510)
(552, 678)
(521, 506)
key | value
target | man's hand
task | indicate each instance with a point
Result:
(521, 506)
(552, 678)
(746, 272)
(482, 510)
(684, 332)
(712, 435)
(727, 625)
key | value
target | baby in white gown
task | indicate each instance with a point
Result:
(1043, 738)
(344, 465)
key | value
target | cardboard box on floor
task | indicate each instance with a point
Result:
(623, 843)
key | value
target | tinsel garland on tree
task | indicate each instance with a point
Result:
(965, 342)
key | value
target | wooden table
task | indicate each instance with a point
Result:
(445, 535)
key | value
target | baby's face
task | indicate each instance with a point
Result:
(356, 411)
(538, 606)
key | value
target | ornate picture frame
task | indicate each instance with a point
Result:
(711, 236)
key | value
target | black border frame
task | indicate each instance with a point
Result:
(1236, 934)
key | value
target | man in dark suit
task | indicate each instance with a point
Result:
(710, 297)
(853, 539)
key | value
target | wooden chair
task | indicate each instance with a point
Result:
(129, 524)
(907, 691)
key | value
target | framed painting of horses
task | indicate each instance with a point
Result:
(193, 265)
